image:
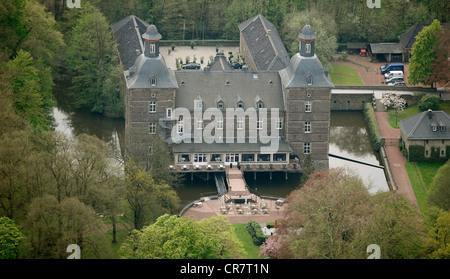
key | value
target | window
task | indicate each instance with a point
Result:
(220, 105)
(199, 104)
(152, 128)
(220, 124)
(200, 158)
(442, 128)
(308, 48)
(180, 127)
(259, 124)
(240, 105)
(216, 158)
(153, 81)
(434, 128)
(426, 153)
(260, 105)
(152, 48)
(279, 124)
(309, 79)
(442, 152)
(240, 124)
(199, 124)
(169, 113)
(308, 106)
(152, 108)
(308, 127)
(307, 148)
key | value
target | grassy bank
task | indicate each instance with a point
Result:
(345, 75)
(421, 175)
(243, 235)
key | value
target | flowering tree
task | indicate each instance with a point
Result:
(393, 101)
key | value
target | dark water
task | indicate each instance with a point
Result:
(348, 138)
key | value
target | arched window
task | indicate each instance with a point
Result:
(153, 81)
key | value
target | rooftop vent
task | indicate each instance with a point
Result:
(430, 114)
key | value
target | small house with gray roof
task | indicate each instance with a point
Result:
(262, 117)
(426, 136)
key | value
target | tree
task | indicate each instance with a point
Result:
(438, 245)
(172, 237)
(429, 102)
(147, 198)
(439, 193)
(424, 53)
(393, 101)
(324, 29)
(92, 57)
(10, 239)
(334, 216)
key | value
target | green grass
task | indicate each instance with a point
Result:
(345, 75)
(243, 235)
(421, 175)
(412, 110)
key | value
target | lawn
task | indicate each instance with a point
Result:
(345, 75)
(243, 235)
(412, 110)
(421, 175)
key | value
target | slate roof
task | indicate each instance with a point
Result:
(144, 68)
(220, 63)
(128, 34)
(294, 76)
(419, 126)
(229, 87)
(264, 43)
(386, 48)
(409, 38)
(307, 33)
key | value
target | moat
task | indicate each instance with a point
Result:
(348, 138)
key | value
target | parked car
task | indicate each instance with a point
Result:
(394, 79)
(188, 66)
(392, 67)
(392, 74)
(397, 83)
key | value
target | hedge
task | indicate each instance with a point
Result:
(255, 231)
(374, 131)
(417, 153)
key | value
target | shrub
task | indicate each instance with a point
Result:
(429, 102)
(374, 132)
(255, 231)
(417, 153)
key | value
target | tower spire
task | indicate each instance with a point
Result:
(307, 41)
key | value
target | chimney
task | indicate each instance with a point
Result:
(430, 114)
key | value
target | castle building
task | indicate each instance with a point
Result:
(261, 119)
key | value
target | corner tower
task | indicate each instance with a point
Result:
(150, 98)
(307, 93)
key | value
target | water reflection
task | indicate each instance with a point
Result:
(349, 138)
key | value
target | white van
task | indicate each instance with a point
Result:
(392, 74)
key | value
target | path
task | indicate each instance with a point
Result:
(395, 157)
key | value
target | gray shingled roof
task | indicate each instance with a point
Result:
(220, 63)
(145, 68)
(294, 76)
(419, 126)
(264, 43)
(307, 33)
(128, 34)
(152, 34)
(227, 147)
(386, 48)
(228, 86)
(356, 45)
(409, 38)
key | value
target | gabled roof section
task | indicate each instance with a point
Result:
(420, 126)
(264, 43)
(220, 63)
(386, 48)
(128, 35)
(409, 38)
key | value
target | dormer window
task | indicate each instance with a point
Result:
(442, 128)
(153, 81)
(240, 104)
(260, 105)
(220, 105)
(309, 79)
(435, 128)
(227, 83)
